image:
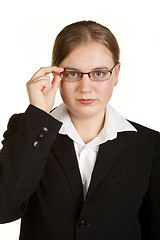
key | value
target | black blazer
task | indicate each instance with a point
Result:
(40, 183)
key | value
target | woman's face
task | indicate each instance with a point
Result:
(87, 98)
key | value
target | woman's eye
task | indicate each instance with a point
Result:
(99, 74)
(72, 74)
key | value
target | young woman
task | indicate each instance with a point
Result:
(80, 171)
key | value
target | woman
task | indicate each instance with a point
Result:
(81, 171)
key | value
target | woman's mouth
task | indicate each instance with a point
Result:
(86, 101)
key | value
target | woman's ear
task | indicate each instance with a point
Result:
(116, 73)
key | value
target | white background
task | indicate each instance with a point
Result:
(28, 29)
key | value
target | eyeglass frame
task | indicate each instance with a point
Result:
(88, 73)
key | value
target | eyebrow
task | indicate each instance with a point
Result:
(75, 69)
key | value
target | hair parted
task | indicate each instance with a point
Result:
(81, 32)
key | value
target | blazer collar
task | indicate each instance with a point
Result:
(63, 149)
(108, 156)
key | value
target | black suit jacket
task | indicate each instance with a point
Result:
(40, 183)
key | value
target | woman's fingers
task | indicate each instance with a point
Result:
(41, 89)
(55, 82)
(47, 70)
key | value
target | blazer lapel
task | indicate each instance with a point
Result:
(63, 149)
(108, 156)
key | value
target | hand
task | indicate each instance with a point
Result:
(41, 90)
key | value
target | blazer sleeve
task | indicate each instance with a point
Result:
(150, 211)
(26, 147)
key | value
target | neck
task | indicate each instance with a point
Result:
(88, 128)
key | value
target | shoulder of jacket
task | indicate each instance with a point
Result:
(146, 134)
(143, 129)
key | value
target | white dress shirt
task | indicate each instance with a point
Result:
(87, 153)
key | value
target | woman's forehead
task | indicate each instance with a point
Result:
(89, 54)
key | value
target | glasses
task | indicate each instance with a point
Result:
(97, 75)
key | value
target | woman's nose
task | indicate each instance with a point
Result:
(85, 84)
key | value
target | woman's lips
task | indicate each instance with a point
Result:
(86, 101)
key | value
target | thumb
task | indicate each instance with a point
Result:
(55, 83)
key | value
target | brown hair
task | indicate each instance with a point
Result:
(81, 32)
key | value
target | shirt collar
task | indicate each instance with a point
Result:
(62, 115)
(114, 123)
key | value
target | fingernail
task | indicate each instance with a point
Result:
(51, 76)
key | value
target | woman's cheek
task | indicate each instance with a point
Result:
(65, 91)
(106, 92)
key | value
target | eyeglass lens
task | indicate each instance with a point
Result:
(100, 75)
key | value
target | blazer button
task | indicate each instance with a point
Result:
(82, 224)
(40, 137)
(36, 144)
(44, 130)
